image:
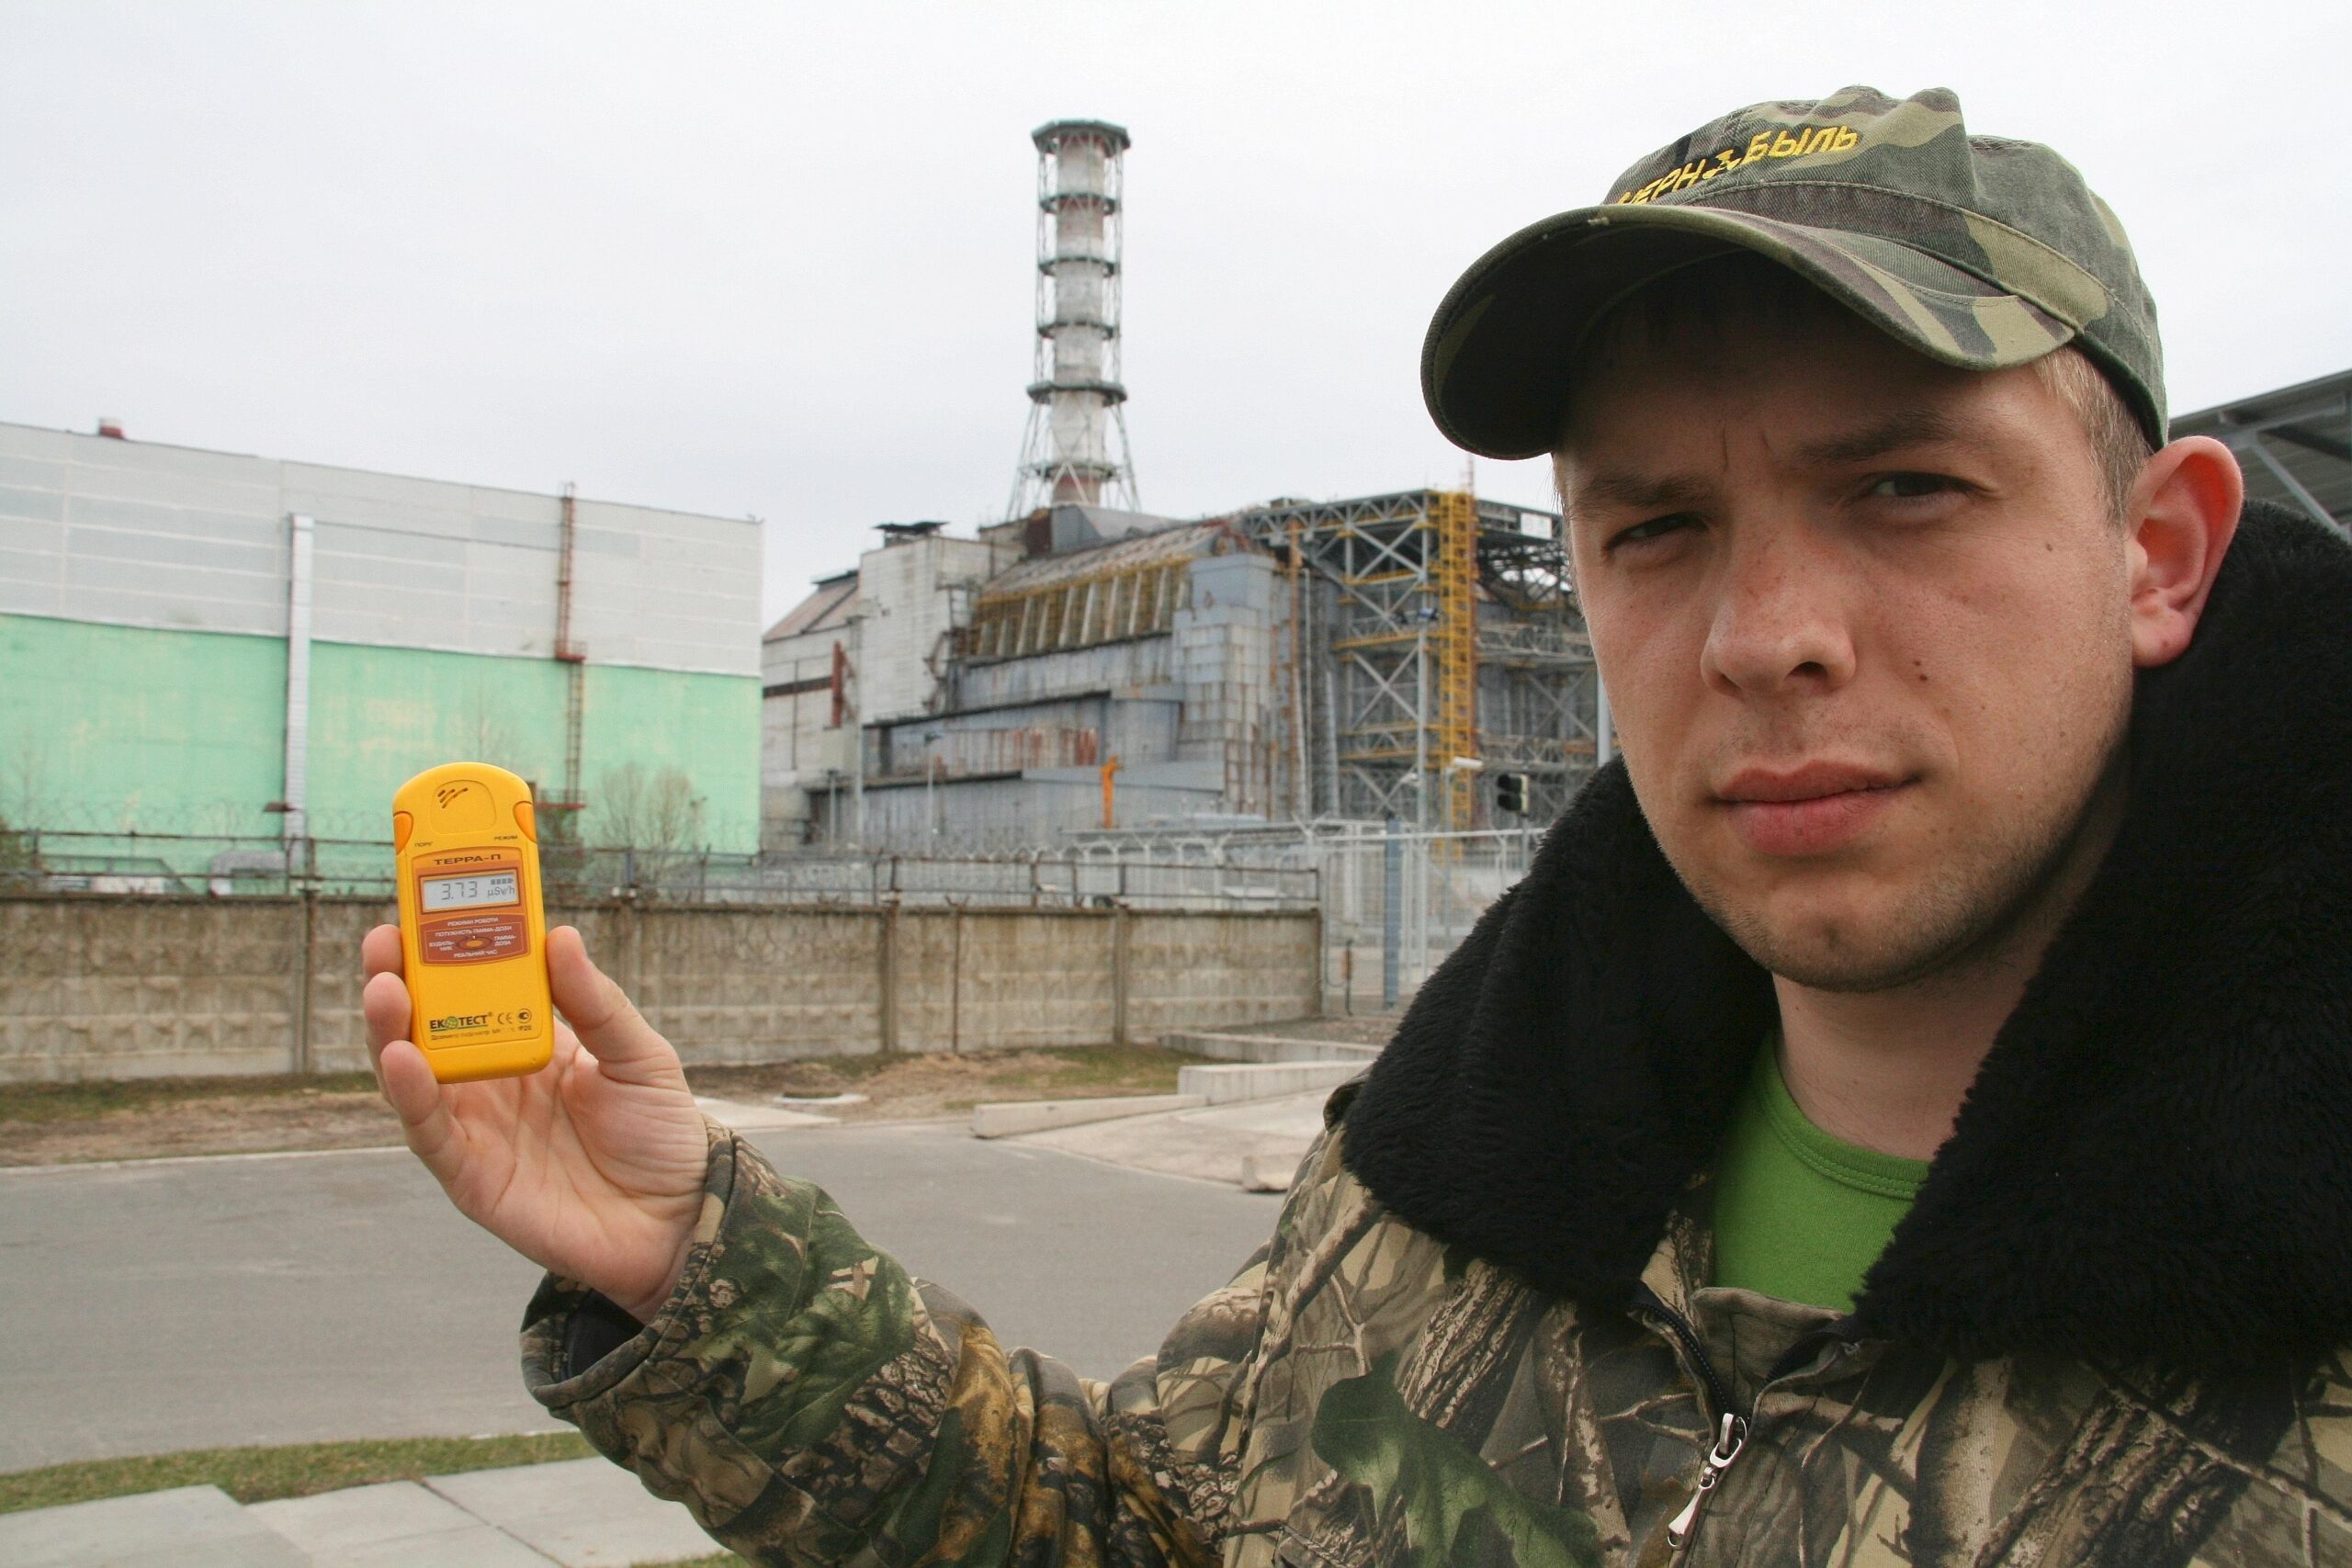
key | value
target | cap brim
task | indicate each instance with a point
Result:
(1495, 366)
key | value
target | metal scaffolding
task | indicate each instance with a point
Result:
(2294, 443)
(1447, 647)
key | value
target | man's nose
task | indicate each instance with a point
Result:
(1781, 617)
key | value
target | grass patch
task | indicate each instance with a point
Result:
(258, 1474)
(90, 1101)
(1113, 1069)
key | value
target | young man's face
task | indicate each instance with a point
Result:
(1864, 623)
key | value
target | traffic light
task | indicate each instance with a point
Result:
(1510, 793)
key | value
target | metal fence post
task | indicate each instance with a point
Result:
(1392, 910)
(632, 915)
(955, 983)
(1322, 968)
(1119, 977)
(890, 976)
(308, 909)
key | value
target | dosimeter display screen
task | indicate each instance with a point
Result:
(445, 893)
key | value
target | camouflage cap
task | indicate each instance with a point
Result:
(1975, 251)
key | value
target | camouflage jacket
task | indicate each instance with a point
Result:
(2107, 1332)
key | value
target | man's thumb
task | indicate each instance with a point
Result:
(608, 1025)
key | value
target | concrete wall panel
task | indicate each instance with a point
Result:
(108, 729)
(18, 502)
(38, 474)
(1219, 969)
(105, 728)
(97, 987)
(1009, 954)
(729, 985)
(446, 565)
(143, 989)
(341, 542)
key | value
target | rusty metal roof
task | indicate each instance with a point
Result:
(828, 607)
(1120, 555)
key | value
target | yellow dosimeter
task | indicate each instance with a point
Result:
(473, 936)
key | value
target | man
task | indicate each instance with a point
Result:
(1903, 1116)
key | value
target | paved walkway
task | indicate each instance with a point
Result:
(1255, 1145)
(583, 1513)
(589, 1511)
(159, 1306)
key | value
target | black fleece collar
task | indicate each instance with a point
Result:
(2156, 1157)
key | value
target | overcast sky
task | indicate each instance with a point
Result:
(778, 259)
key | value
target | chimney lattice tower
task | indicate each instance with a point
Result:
(1076, 447)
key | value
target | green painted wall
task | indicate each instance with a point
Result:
(379, 715)
(104, 729)
(110, 728)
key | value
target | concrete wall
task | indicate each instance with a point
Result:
(912, 594)
(96, 988)
(1224, 658)
(799, 740)
(143, 613)
(1005, 815)
(1141, 662)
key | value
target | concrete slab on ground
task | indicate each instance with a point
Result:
(1228, 1082)
(396, 1524)
(1008, 1118)
(1212, 1144)
(188, 1526)
(1232, 1047)
(747, 1117)
(1362, 1029)
(585, 1513)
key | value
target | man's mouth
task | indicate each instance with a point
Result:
(1809, 811)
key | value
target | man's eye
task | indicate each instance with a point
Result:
(1657, 527)
(1904, 486)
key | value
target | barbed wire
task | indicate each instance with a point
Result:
(241, 819)
(230, 864)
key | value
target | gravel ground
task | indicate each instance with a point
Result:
(62, 1123)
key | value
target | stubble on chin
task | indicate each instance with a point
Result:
(1965, 910)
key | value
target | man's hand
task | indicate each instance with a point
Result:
(591, 1166)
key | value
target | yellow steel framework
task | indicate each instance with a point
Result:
(1453, 572)
(1437, 625)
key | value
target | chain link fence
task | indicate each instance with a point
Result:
(226, 866)
(1395, 901)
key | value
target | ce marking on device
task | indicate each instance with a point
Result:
(520, 1018)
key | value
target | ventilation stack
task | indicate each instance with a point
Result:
(1076, 449)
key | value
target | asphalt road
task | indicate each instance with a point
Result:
(289, 1299)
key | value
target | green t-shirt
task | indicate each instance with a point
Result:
(1799, 1214)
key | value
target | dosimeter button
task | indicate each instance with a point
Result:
(528, 821)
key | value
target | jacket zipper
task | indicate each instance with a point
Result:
(1729, 1441)
(1731, 1434)
(1733, 1429)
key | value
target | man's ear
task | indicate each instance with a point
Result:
(2184, 511)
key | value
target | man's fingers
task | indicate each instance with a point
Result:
(415, 1096)
(609, 1027)
(379, 951)
(383, 1003)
